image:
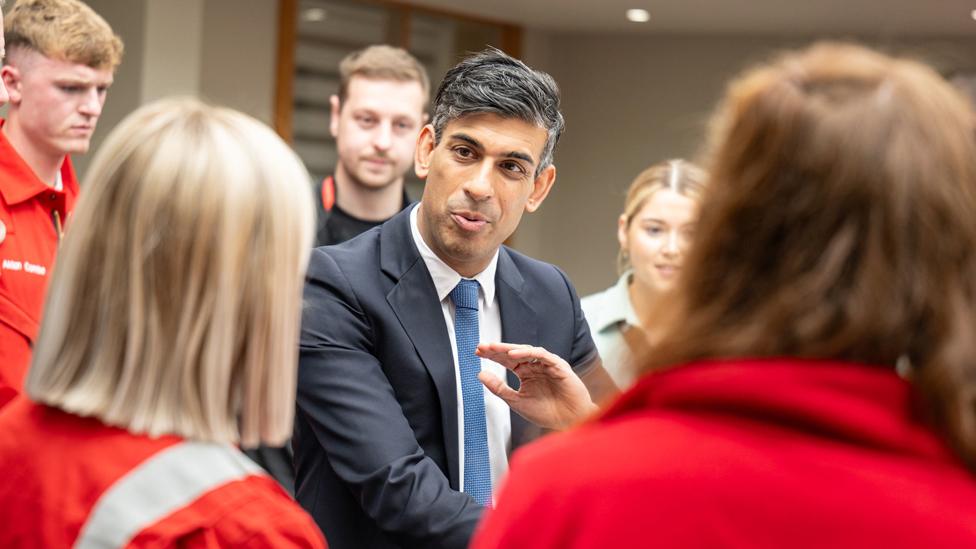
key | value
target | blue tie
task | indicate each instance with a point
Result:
(477, 471)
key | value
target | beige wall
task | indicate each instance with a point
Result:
(128, 20)
(219, 50)
(238, 55)
(630, 101)
(173, 47)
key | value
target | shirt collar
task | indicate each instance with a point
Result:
(445, 278)
(616, 306)
(18, 182)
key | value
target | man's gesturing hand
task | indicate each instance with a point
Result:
(550, 395)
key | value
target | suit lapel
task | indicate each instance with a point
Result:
(414, 301)
(519, 325)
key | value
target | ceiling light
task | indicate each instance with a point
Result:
(973, 14)
(638, 16)
(314, 15)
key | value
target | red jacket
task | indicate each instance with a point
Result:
(67, 477)
(27, 248)
(748, 453)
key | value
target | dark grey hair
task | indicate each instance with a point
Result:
(492, 82)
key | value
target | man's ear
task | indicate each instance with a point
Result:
(12, 81)
(540, 188)
(425, 150)
(334, 115)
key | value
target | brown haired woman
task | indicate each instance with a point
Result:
(654, 232)
(839, 249)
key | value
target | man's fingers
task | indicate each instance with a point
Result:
(498, 347)
(506, 359)
(538, 359)
(539, 354)
(526, 361)
(498, 387)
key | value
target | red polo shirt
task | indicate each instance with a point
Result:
(27, 248)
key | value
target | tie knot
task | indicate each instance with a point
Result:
(465, 294)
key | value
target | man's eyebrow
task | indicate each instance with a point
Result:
(467, 139)
(521, 156)
(474, 143)
(73, 80)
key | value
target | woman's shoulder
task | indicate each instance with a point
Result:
(607, 306)
(249, 512)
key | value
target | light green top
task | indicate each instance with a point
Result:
(608, 313)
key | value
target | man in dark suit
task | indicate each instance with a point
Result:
(397, 444)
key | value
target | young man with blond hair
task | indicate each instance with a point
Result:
(60, 60)
(375, 119)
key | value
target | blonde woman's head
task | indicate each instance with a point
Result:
(175, 302)
(658, 222)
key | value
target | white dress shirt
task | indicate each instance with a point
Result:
(497, 412)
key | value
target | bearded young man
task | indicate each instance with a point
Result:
(375, 119)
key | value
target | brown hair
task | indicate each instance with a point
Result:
(844, 227)
(382, 62)
(63, 29)
(676, 174)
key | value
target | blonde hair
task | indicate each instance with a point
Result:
(63, 29)
(676, 174)
(843, 228)
(175, 302)
(384, 63)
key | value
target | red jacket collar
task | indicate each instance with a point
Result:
(869, 405)
(19, 183)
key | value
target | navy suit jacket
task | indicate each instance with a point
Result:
(376, 429)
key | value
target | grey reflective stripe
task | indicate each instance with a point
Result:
(163, 484)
